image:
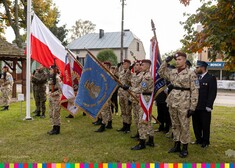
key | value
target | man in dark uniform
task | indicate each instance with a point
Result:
(207, 94)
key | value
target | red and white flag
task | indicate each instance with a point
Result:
(45, 46)
(72, 74)
(154, 57)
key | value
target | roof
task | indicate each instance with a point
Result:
(109, 40)
(9, 50)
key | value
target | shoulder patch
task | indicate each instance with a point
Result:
(196, 82)
(143, 84)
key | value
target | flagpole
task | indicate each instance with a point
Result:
(71, 53)
(28, 61)
(118, 81)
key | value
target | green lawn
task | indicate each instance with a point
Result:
(28, 141)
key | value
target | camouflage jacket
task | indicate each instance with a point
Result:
(186, 79)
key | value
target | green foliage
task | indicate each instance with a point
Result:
(45, 10)
(107, 55)
(82, 28)
(27, 141)
(218, 33)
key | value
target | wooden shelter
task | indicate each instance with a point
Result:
(14, 58)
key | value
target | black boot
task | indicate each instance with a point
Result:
(176, 148)
(136, 136)
(123, 128)
(55, 130)
(98, 122)
(184, 152)
(5, 108)
(109, 125)
(128, 128)
(102, 128)
(140, 146)
(43, 115)
(51, 131)
(37, 114)
(69, 116)
(150, 141)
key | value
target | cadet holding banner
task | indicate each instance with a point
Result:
(55, 85)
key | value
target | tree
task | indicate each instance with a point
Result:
(15, 16)
(107, 55)
(218, 33)
(82, 28)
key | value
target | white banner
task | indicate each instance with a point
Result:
(226, 84)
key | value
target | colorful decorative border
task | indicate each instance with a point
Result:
(117, 165)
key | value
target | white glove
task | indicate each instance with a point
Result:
(208, 109)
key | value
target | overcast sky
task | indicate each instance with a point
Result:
(106, 14)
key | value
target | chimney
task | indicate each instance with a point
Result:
(101, 33)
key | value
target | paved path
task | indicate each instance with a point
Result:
(225, 98)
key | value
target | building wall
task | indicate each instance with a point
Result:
(126, 51)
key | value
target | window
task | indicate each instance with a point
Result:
(137, 46)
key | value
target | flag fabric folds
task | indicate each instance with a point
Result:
(159, 82)
(155, 57)
(45, 46)
(95, 88)
(71, 79)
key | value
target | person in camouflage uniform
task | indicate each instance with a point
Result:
(6, 87)
(146, 87)
(125, 106)
(181, 101)
(135, 83)
(55, 87)
(39, 80)
(106, 113)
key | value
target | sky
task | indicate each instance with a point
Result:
(106, 14)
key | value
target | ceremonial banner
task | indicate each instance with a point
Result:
(95, 88)
(159, 82)
(70, 87)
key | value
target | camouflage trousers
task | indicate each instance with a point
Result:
(106, 114)
(6, 96)
(40, 100)
(125, 108)
(54, 109)
(136, 107)
(180, 124)
(145, 129)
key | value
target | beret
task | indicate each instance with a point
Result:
(146, 61)
(53, 67)
(180, 54)
(107, 63)
(127, 60)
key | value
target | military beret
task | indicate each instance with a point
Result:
(180, 54)
(201, 64)
(146, 61)
(53, 67)
(127, 60)
(107, 63)
(188, 63)
(138, 61)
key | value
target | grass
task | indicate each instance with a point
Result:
(28, 141)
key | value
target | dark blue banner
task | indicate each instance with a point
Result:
(95, 88)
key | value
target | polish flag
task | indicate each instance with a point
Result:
(45, 46)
